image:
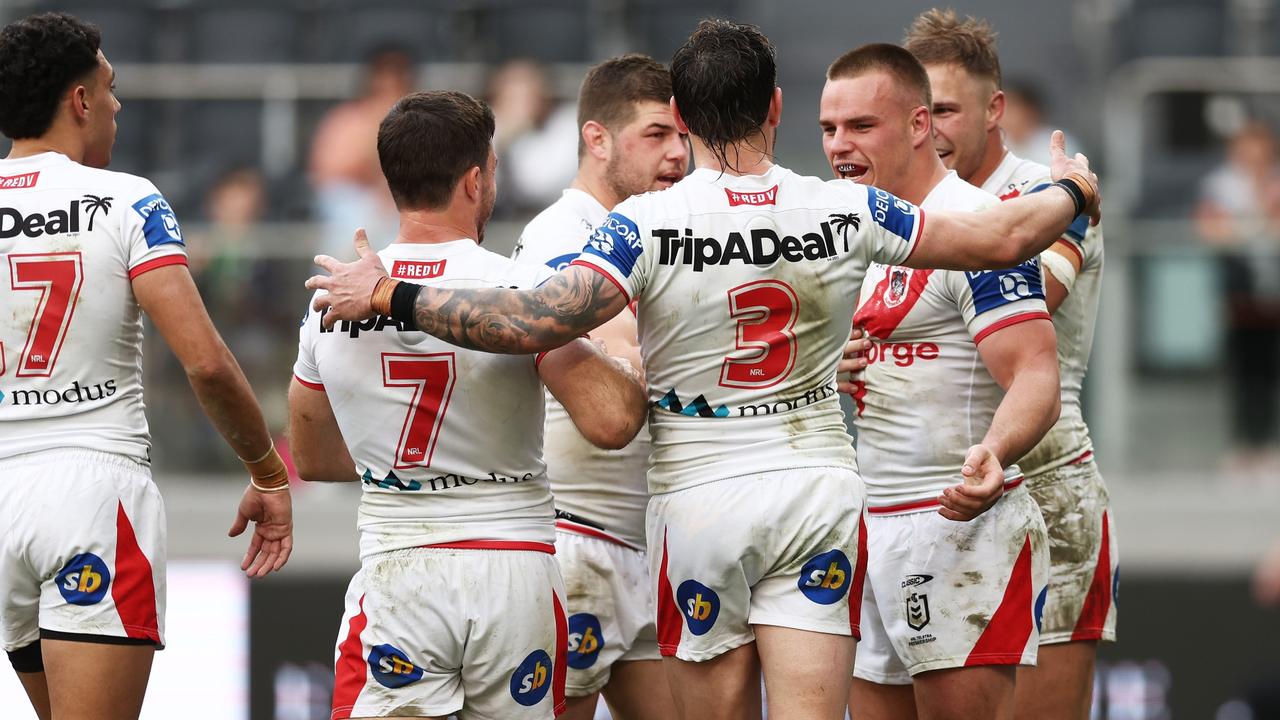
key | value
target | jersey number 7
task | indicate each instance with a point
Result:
(431, 376)
(57, 277)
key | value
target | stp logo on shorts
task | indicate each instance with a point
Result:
(699, 604)
(586, 639)
(825, 578)
(391, 667)
(530, 681)
(84, 580)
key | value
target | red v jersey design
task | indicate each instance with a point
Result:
(890, 302)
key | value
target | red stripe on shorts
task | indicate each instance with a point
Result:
(560, 671)
(526, 545)
(350, 673)
(670, 624)
(1007, 633)
(859, 577)
(1093, 616)
(133, 589)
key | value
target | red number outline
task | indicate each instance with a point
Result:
(40, 321)
(756, 350)
(420, 407)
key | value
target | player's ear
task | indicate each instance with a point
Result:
(78, 102)
(596, 140)
(995, 109)
(775, 108)
(473, 183)
(675, 116)
(921, 126)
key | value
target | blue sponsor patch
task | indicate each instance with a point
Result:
(994, 289)
(532, 679)
(84, 580)
(892, 213)
(826, 577)
(1039, 611)
(699, 604)
(616, 239)
(159, 224)
(561, 262)
(586, 640)
(391, 667)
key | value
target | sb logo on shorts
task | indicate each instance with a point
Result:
(391, 667)
(826, 577)
(84, 580)
(531, 679)
(586, 639)
(699, 604)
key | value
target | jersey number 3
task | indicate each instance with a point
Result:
(57, 277)
(766, 314)
(431, 376)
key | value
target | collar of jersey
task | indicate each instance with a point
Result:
(715, 177)
(44, 158)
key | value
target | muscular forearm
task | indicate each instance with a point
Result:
(1029, 408)
(228, 402)
(1033, 223)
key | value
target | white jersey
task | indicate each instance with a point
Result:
(602, 486)
(1074, 320)
(448, 442)
(744, 288)
(926, 396)
(72, 238)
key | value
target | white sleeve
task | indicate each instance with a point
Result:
(617, 249)
(152, 237)
(892, 229)
(305, 368)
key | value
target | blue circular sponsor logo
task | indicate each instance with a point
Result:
(530, 681)
(391, 667)
(826, 577)
(699, 604)
(1039, 611)
(1115, 587)
(586, 640)
(84, 580)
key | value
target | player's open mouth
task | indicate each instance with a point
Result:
(944, 154)
(669, 180)
(851, 171)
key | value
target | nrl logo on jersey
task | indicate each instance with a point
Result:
(54, 222)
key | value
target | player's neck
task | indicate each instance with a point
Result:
(745, 157)
(426, 227)
(992, 156)
(591, 181)
(51, 141)
(924, 174)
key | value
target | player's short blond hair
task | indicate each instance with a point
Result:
(941, 37)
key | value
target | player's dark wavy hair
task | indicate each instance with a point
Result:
(427, 143)
(40, 57)
(723, 79)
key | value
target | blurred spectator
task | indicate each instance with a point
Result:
(536, 138)
(1239, 215)
(1025, 130)
(350, 191)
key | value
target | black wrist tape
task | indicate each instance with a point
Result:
(1074, 190)
(403, 299)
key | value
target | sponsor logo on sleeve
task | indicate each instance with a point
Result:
(532, 679)
(764, 197)
(159, 224)
(826, 577)
(84, 580)
(417, 269)
(19, 182)
(586, 640)
(616, 239)
(391, 667)
(993, 289)
(891, 213)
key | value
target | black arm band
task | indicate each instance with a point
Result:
(403, 299)
(1076, 193)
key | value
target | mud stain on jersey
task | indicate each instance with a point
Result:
(978, 620)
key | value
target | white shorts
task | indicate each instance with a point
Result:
(1084, 560)
(610, 606)
(780, 548)
(945, 594)
(82, 550)
(479, 633)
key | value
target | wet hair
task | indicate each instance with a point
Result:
(41, 57)
(428, 141)
(611, 90)
(941, 37)
(723, 79)
(901, 65)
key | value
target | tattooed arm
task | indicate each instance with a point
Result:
(569, 304)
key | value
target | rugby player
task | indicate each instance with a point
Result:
(743, 272)
(984, 337)
(458, 606)
(628, 145)
(85, 252)
(964, 69)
